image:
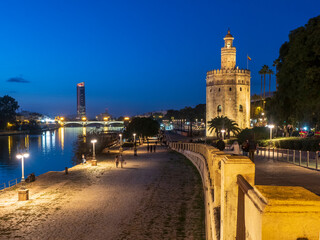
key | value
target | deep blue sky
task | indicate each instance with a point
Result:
(134, 56)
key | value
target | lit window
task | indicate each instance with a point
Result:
(219, 109)
(240, 89)
(230, 89)
(240, 108)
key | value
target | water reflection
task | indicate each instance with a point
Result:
(49, 151)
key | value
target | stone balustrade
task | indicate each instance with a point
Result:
(236, 208)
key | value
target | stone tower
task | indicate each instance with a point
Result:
(228, 89)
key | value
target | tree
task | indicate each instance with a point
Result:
(8, 108)
(221, 122)
(298, 70)
(270, 72)
(143, 127)
(264, 70)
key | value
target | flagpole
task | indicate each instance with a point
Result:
(247, 62)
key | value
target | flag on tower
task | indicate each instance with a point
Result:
(249, 57)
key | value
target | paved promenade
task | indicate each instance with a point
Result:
(272, 172)
(277, 173)
(156, 196)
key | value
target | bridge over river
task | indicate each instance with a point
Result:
(111, 125)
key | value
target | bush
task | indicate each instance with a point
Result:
(256, 133)
(295, 143)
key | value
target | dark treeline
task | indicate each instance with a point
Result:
(297, 99)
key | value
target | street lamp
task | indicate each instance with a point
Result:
(270, 126)
(223, 131)
(135, 145)
(94, 161)
(23, 193)
(120, 149)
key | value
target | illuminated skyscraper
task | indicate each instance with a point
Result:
(81, 100)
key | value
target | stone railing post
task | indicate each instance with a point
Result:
(231, 167)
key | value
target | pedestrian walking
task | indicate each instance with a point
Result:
(235, 147)
(116, 160)
(122, 162)
(245, 148)
(84, 161)
(252, 149)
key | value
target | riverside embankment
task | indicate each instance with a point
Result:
(156, 196)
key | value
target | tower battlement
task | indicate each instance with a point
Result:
(224, 71)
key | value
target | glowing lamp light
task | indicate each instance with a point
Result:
(126, 118)
(305, 128)
(223, 131)
(105, 118)
(23, 155)
(270, 126)
(62, 118)
(94, 141)
(83, 118)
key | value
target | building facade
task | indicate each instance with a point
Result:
(81, 101)
(228, 89)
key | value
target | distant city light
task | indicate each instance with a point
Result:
(83, 118)
(126, 118)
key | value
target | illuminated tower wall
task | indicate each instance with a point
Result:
(81, 100)
(228, 89)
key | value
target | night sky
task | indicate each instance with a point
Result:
(134, 56)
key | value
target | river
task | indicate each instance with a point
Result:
(49, 151)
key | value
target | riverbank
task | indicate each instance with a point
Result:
(8, 133)
(156, 196)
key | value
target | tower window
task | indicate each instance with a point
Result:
(241, 89)
(240, 108)
(219, 89)
(230, 89)
(219, 108)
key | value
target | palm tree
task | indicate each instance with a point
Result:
(276, 64)
(222, 122)
(270, 72)
(264, 70)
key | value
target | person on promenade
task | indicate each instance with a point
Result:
(235, 147)
(116, 160)
(121, 159)
(84, 161)
(252, 149)
(245, 148)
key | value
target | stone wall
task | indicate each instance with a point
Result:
(237, 209)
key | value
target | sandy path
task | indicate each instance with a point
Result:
(156, 196)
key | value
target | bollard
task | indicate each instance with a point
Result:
(94, 163)
(288, 155)
(294, 157)
(269, 153)
(277, 154)
(317, 157)
(265, 152)
(23, 195)
(66, 170)
(300, 158)
(282, 156)
(307, 159)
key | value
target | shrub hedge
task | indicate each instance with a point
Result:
(296, 143)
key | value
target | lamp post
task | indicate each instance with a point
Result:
(120, 149)
(223, 131)
(23, 193)
(94, 161)
(270, 126)
(135, 145)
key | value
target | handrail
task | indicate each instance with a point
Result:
(11, 183)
